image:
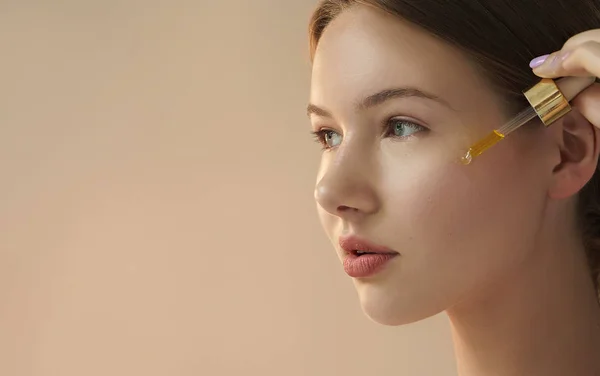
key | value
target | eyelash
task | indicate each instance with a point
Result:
(319, 137)
(387, 131)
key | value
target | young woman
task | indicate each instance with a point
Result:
(508, 246)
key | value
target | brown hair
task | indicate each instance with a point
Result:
(500, 37)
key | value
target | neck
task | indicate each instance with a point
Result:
(543, 319)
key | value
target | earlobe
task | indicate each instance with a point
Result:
(579, 150)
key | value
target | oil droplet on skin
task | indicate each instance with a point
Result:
(467, 158)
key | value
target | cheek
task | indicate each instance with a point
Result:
(449, 217)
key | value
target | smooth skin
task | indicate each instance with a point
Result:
(493, 244)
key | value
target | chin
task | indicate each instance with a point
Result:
(390, 308)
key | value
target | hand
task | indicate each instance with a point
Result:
(580, 56)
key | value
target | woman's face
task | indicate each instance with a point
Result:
(395, 109)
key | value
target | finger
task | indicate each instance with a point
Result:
(588, 104)
(581, 60)
(571, 44)
(584, 57)
(586, 36)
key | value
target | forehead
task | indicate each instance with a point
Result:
(365, 50)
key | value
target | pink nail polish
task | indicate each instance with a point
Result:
(538, 61)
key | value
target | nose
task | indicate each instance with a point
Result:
(347, 188)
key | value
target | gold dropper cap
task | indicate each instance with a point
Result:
(548, 101)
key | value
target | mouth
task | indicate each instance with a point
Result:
(364, 259)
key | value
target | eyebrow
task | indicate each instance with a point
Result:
(381, 97)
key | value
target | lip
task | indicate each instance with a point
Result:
(364, 265)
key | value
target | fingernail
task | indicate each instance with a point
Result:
(538, 61)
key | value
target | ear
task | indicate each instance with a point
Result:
(579, 150)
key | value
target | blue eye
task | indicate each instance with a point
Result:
(328, 138)
(402, 128)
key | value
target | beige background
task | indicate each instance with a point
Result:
(156, 210)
